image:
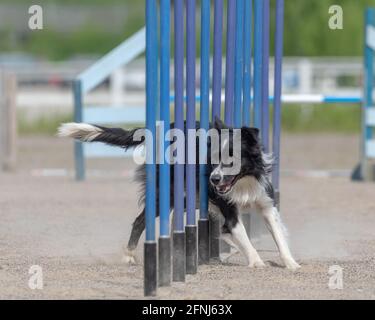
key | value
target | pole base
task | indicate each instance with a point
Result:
(203, 241)
(150, 268)
(191, 250)
(165, 261)
(179, 257)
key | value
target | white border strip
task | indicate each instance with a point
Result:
(370, 37)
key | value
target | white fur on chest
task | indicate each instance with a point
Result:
(248, 193)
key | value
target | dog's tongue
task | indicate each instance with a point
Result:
(223, 188)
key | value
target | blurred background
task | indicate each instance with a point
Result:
(76, 33)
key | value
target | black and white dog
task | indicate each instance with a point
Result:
(229, 194)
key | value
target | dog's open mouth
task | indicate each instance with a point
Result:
(226, 186)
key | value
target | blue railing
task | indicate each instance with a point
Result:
(90, 79)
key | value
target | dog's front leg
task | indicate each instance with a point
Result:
(242, 241)
(273, 221)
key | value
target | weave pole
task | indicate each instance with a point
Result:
(277, 98)
(150, 257)
(248, 19)
(229, 69)
(179, 252)
(265, 75)
(246, 104)
(191, 227)
(164, 179)
(258, 14)
(203, 223)
(238, 63)
(214, 222)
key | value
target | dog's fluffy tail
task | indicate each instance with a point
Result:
(93, 133)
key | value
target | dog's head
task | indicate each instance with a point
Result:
(238, 155)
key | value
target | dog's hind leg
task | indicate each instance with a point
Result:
(137, 229)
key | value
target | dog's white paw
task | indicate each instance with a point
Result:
(292, 265)
(257, 263)
(129, 257)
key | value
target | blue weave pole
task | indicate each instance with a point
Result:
(258, 18)
(203, 224)
(238, 63)
(229, 69)
(247, 63)
(179, 255)
(150, 258)
(165, 178)
(78, 117)
(217, 59)
(265, 75)
(191, 228)
(277, 97)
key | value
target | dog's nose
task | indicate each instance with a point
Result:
(215, 179)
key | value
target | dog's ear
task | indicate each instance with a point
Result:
(250, 134)
(218, 124)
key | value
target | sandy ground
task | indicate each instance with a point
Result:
(75, 231)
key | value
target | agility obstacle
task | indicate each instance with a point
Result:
(366, 168)
(247, 34)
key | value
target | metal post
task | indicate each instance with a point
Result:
(164, 179)
(366, 168)
(217, 59)
(191, 224)
(258, 14)
(238, 62)
(214, 224)
(247, 63)
(229, 71)
(265, 75)
(277, 97)
(8, 121)
(78, 146)
(179, 258)
(150, 256)
(203, 224)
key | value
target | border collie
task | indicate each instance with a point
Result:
(229, 194)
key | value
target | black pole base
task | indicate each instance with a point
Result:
(214, 238)
(165, 261)
(179, 257)
(150, 268)
(191, 249)
(203, 241)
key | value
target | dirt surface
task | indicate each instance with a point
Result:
(75, 231)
